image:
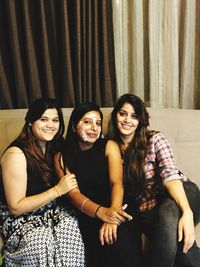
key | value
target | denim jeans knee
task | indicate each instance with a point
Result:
(193, 195)
(168, 213)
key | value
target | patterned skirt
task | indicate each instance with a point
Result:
(49, 236)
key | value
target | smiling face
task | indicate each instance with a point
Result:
(46, 127)
(127, 122)
(88, 129)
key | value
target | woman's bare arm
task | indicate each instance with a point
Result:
(82, 202)
(186, 223)
(14, 173)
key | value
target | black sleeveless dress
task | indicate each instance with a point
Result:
(48, 236)
(91, 170)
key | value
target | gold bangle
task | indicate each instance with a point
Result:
(83, 203)
(57, 190)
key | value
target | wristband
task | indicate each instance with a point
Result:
(97, 210)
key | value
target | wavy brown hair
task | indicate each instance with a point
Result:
(35, 158)
(134, 156)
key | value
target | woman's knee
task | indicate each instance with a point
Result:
(169, 212)
(39, 238)
(193, 195)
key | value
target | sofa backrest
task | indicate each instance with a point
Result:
(181, 127)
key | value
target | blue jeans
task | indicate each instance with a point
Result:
(160, 225)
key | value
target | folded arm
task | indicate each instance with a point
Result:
(84, 204)
(14, 173)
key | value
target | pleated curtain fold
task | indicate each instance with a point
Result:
(157, 44)
(57, 48)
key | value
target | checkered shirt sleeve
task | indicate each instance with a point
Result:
(165, 160)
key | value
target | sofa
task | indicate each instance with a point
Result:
(181, 127)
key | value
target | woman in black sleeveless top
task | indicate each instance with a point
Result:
(96, 163)
(37, 230)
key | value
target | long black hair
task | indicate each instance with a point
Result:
(71, 139)
(35, 157)
(134, 155)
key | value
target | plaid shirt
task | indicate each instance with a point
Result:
(160, 168)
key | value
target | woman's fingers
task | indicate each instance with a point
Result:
(108, 234)
(120, 218)
(108, 215)
(113, 216)
(186, 231)
(125, 215)
(67, 183)
(101, 236)
(188, 242)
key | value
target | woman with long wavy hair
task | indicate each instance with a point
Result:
(37, 229)
(159, 196)
(96, 163)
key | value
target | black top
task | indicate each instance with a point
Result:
(91, 170)
(35, 182)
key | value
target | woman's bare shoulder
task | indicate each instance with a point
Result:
(12, 152)
(112, 147)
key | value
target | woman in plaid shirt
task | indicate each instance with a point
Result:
(161, 198)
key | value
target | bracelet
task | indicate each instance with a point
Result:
(83, 203)
(57, 190)
(97, 211)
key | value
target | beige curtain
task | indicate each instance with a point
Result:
(157, 48)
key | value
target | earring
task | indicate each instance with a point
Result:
(30, 124)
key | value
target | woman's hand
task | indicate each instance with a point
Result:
(186, 223)
(113, 215)
(67, 183)
(186, 230)
(108, 233)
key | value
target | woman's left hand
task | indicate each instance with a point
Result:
(67, 183)
(113, 215)
(108, 233)
(186, 230)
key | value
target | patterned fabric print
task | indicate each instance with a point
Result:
(49, 237)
